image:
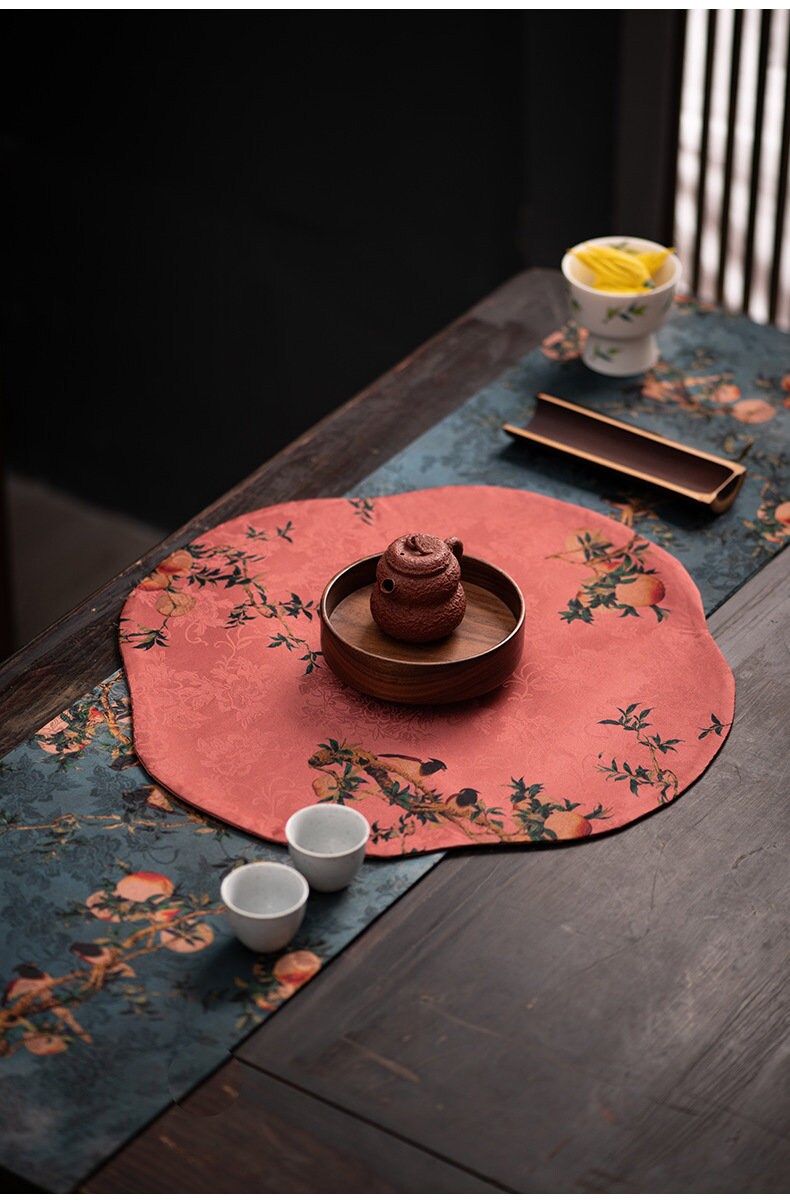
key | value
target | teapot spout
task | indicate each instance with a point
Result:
(456, 546)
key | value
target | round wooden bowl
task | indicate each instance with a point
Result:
(478, 656)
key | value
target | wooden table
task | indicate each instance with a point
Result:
(611, 1019)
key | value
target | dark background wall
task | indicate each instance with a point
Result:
(220, 226)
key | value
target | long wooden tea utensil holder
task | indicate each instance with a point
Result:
(710, 480)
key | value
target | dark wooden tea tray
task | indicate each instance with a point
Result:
(478, 656)
(564, 426)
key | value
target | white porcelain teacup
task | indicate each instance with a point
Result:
(621, 326)
(266, 903)
(327, 843)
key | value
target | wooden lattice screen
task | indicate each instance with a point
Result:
(731, 221)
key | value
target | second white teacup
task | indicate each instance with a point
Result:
(327, 843)
(266, 903)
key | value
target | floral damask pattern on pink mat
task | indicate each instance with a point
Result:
(621, 700)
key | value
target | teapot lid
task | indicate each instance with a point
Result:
(420, 554)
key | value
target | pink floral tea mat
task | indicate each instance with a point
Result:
(621, 700)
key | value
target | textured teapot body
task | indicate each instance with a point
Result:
(417, 595)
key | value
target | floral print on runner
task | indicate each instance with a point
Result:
(122, 984)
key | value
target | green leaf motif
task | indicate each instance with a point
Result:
(606, 355)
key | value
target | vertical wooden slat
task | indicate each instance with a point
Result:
(729, 156)
(754, 183)
(781, 192)
(703, 150)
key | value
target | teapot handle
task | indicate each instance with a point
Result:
(456, 546)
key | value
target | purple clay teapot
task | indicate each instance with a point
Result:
(417, 595)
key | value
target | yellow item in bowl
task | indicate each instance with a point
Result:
(617, 269)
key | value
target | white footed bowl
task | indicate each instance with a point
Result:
(622, 326)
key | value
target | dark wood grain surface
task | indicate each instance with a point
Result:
(608, 1017)
(244, 1132)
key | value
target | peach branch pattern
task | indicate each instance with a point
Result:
(351, 774)
(105, 712)
(772, 520)
(620, 579)
(272, 984)
(66, 828)
(716, 727)
(655, 776)
(197, 567)
(365, 508)
(38, 1008)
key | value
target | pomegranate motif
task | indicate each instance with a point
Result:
(417, 596)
